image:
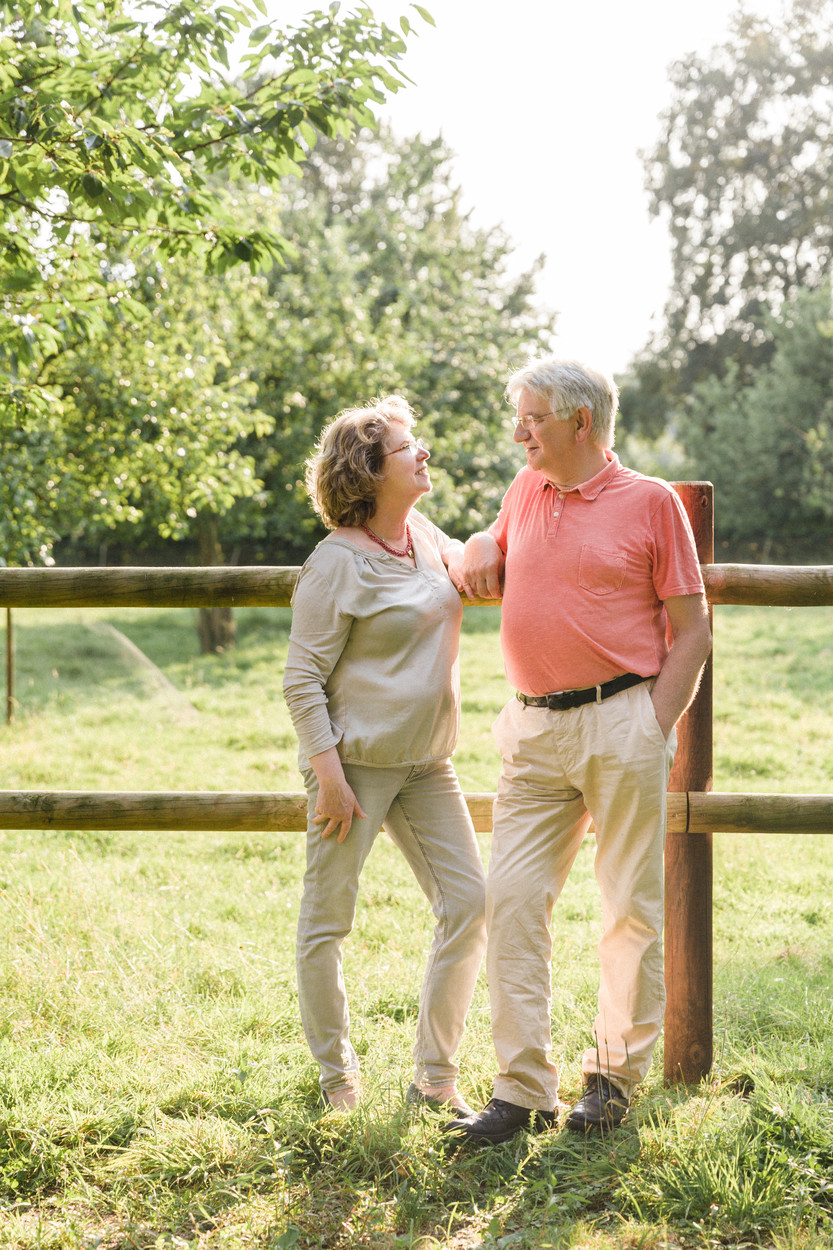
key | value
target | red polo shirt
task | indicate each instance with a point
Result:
(587, 571)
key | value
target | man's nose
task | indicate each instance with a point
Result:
(521, 433)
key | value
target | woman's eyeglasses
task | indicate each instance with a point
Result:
(413, 445)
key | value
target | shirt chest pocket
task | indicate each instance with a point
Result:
(600, 570)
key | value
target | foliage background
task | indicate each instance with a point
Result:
(737, 380)
(253, 259)
(256, 256)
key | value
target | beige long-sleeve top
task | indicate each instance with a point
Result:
(373, 653)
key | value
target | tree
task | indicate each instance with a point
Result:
(154, 426)
(743, 173)
(115, 124)
(198, 427)
(392, 288)
(768, 445)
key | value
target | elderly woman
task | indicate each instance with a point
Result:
(372, 686)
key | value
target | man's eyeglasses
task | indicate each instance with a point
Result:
(413, 445)
(530, 422)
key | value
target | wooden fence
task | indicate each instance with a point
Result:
(695, 813)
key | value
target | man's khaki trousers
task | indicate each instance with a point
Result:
(607, 762)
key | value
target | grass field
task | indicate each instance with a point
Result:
(155, 1090)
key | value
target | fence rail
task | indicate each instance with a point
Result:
(285, 811)
(769, 585)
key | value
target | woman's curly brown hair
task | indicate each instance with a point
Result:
(343, 474)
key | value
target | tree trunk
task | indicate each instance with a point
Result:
(217, 628)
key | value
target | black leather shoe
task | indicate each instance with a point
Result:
(499, 1120)
(601, 1105)
(459, 1108)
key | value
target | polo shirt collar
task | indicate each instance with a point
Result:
(594, 485)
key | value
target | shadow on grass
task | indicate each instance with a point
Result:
(89, 658)
(371, 1180)
(719, 1164)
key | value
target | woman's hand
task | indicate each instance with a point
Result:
(336, 803)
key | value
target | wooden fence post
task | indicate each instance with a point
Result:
(688, 860)
(10, 700)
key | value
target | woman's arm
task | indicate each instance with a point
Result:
(318, 637)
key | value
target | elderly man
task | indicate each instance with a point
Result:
(599, 560)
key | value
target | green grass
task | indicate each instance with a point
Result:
(155, 1089)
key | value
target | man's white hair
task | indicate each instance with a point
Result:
(566, 385)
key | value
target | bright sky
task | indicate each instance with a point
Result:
(547, 104)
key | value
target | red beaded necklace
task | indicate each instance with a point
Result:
(409, 546)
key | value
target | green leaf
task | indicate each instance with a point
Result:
(6, 149)
(93, 186)
(425, 15)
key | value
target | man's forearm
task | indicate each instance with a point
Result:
(679, 679)
(481, 571)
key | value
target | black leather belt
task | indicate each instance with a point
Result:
(563, 700)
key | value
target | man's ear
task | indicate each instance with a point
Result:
(584, 423)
